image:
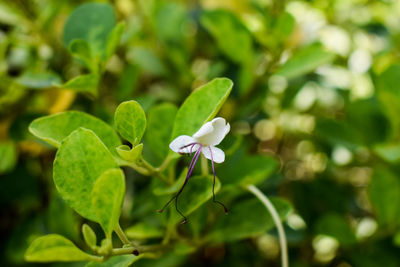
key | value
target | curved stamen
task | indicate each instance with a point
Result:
(190, 170)
(215, 201)
(188, 145)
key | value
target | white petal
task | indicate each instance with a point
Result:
(181, 144)
(218, 156)
(213, 132)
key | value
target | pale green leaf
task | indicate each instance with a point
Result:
(232, 37)
(113, 39)
(54, 128)
(8, 156)
(107, 197)
(81, 50)
(130, 121)
(159, 129)
(130, 155)
(81, 159)
(54, 248)
(201, 106)
(41, 80)
(144, 231)
(304, 61)
(86, 83)
(89, 236)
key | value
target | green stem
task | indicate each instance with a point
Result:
(122, 251)
(204, 165)
(275, 216)
(122, 236)
(96, 258)
(152, 170)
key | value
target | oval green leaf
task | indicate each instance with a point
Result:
(305, 61)
(91, 22)
(54, 128)
(87, 83)
(160, 125)
(247, 218)
(54, 248)
(130, 121)
(107, 197)
(201, 106)
(81, 159)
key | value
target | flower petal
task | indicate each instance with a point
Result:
(181, 144)
(218, 156)
(213, 132)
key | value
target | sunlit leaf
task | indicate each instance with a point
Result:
(54, 128)
(159, 129)
(304, 61)
(107, 197)
(81, 159)
(8, 156)
(54, 248)
(201, 106)
(130, 121)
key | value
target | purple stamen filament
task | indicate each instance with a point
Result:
(190, 170)
(215, 201)
(189, 173)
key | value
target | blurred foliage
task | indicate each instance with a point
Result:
(314, 114)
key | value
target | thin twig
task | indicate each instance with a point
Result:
(275, 216)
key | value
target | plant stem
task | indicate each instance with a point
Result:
(96, 258)
(152, 170)
(122, 236)
(204, 165)
(122, 251)
(275, 216)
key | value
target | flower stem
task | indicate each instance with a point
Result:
(122, 236)
(275, 216)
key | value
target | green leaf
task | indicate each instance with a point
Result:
(81, 159)
(389, 95)
(130, 155)
(54, 247)
(107, 197)
(246, 219)
(8, 156)
(81, 50)
(388, 151)
(144, 231)
(166, 190)
(113, 40)
(335, 225)
(159, 129)
(201, 106)
(116, 261)
(305, 61)
(384, 194)
(243, 170)
(92, 22)
(38, 80)
(130, 121)
(147, 60)
(231, 35)
(54, 128)
(87, 83)
(89, 236)
(197, 191)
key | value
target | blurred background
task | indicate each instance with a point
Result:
(317, 89)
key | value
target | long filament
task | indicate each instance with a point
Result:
(215, 201)
(189, 173)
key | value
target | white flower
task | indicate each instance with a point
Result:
(205, 139)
